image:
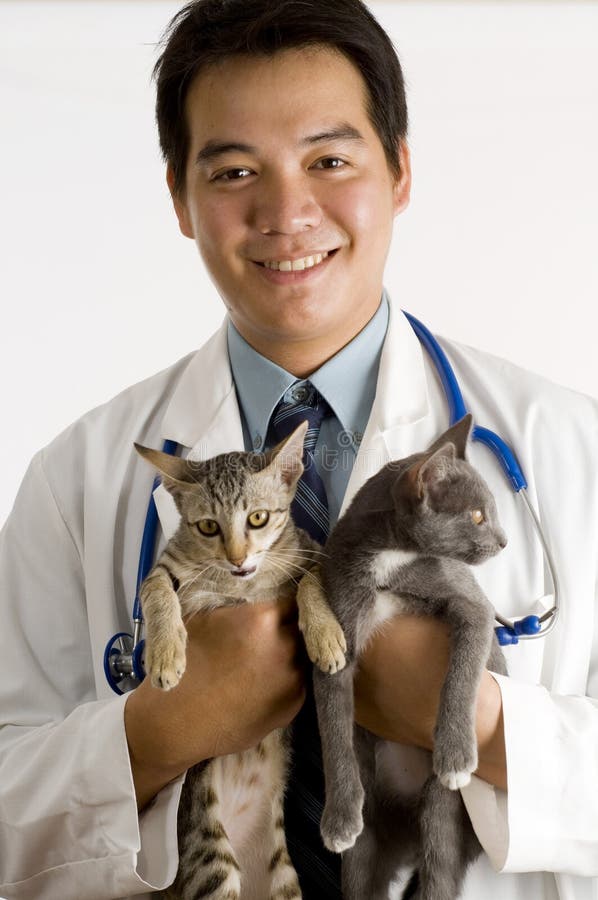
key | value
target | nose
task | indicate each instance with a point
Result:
(237, 560)
(502, 539)
(286, 205)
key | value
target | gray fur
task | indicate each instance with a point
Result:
(421, 505)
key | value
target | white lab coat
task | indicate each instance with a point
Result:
(68, 559)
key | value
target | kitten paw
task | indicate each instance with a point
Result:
(455, 769)
(326, 647)
(324, 638)
(341, 826)
(455, 780)
(166, 661)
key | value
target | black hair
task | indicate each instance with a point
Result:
(205, 32)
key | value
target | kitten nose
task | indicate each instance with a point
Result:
(238, 561)
(502, 540)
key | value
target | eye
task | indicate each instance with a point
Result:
(330, 162)
(477, 516)
(258, 518)
(208, 527)
(237, 174)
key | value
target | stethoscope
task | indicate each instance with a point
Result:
(123, 656)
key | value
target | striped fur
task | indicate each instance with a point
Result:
(231, 834)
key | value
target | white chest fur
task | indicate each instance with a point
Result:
(388, 604)
(387, 561)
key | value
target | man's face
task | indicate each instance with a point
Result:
(285, 170)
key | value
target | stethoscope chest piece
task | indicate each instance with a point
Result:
(123, 662)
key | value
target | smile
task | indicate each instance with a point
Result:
(296, 265)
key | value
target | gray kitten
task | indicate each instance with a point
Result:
(404, 545)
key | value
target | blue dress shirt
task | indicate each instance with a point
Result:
(347, 382)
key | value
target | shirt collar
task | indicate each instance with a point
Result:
(347, 381)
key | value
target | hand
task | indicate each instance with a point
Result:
(397, 690)
(245, 677)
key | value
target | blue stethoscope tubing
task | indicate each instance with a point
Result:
(123, 656)
(529, 627)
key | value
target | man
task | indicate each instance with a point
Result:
(283, 124)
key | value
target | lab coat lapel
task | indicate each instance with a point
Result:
(203, 416)
(401, 421)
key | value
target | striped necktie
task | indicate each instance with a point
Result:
(317, 868)
(310, 506)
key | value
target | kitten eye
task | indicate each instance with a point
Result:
(477, 516)
(258, 518)
(208, 527)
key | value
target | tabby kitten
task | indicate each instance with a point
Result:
(403, 546)
(236, 543)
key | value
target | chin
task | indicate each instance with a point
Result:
(479, 556)
(303, 321)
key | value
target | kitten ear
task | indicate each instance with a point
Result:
(436, 467)
(458, 434)
(422, 476)
(174, 468)
(287, 457)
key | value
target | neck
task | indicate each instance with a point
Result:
(302, 355)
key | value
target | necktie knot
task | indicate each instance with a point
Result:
(310, 506)
(298, 405)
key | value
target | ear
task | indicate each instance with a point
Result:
(458, 434)
(416, 482)
(172, 467)
(402, 184)
(286, 459)
(180, 207)
(436, 467)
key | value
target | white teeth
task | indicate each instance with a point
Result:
(296, 265)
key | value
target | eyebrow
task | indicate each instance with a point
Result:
(343, 132)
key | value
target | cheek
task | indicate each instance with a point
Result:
(259, 539)
(211, 547)
(262, 538)
(364, 208)
(253, 547)
(216, 226)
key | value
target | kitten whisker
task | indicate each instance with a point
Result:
(296, 552)
(281, 568)
(305, 571)
(188, 584)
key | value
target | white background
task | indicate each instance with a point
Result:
(98, 288)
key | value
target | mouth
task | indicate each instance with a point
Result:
(244, 573)
(283, 271)
(478, 555)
